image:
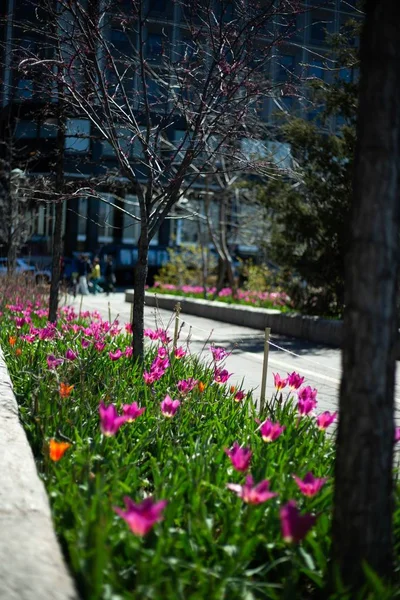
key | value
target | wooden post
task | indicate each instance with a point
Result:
(265, 368)
(176, 331)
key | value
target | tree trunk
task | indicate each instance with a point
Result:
(56, 267)
(362, 521)
(141, 269)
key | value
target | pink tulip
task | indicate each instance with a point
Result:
(294, 380)
(53, 362)
(325, 419)
(270, 431)
(279, 382)
(250, 493)
(169, 406)
(110, 421)
(132, 411)
(310, 485)
(240, 457)
(142, 516)
(218, 353)
(179, 352)
(221, 376)
(294, 525)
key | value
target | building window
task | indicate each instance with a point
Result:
(77, 138)
(24, 89)
(26, 130)
(154, 44)
(131, 227)
(105, 218)
(286, 67)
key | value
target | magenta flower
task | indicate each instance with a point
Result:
(221, 376)
(128, 351)
(325, 419)
(238, 397)
(240, 457)
(294, 526)
(250, 493)
(142, 516)
(110, 421)
(306, 406)
(218, 353)
(148, 378)
(186, 385)
(53, 362)
(294, 380)
(270, 431)
(169, 406)
(179, 352)
(71, 355)
(115, 355)
(397, 435)
(306, 393)
(162, 353)
(310, 485)
(20, 322)
(279, 382)
(132, 412)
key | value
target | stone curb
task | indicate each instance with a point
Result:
(314, 329)
(31, 563)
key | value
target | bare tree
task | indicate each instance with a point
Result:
(362, 525)
(203, 76)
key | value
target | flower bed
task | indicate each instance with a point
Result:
(168, 484)
(277, 300)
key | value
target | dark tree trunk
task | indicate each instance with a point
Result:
(59, 188)
(56, 267)
(362, 523)
(141, 269)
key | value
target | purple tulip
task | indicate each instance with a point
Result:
(270, 431)
(142, 516)
(110, 421)
(169, 406)
(240, 457)
(294, 525)
(132, 411)
(250, 493)
(310, 485)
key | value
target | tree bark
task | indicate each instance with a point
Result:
(141, 269)
(56, 266)
(363, 503)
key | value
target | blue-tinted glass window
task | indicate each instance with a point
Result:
(286, 67)
(154, 44)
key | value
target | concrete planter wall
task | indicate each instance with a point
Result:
(31, 564)
(314, 329)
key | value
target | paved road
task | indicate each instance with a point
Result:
(319, 364)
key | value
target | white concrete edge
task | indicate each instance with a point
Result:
(31, 563)
(311, 328)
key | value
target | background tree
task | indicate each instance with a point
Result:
(362, 523)
(205, 78)
(309, 204)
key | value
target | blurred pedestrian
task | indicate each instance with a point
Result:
(109, 275)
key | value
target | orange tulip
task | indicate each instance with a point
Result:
(201, 387)
(12, 340)
(65, 390)
(57, 449)
(18, 352)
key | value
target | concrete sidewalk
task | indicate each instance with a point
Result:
(31, 564)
